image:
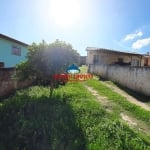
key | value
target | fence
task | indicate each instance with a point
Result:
(135, 78)
(8, 84)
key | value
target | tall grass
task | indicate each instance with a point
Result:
(101, 130)
(71, 120)
(30, 120)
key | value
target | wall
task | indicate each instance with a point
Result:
(105, 57)
(147, 60)
(8, 84)
(6, 53)
(135, 78)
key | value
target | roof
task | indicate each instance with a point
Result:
(112, 51)
(13, 40)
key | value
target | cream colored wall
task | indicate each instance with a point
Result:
(135, 78)
(111, 58)
(142, 62)
(89, 57)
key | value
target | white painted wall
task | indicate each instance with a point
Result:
(135, 78)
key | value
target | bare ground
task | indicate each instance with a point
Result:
(103, 100)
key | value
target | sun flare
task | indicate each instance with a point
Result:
(65, 12)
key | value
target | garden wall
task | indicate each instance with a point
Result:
(8, 84)
(135, 78)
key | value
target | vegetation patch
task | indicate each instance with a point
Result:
(30, 120)
(138, 112)
(71, 120)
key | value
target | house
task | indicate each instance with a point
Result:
(12, 51)
(147, 59)
(109, 57)
(131, 70)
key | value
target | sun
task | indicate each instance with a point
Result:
(65, 12)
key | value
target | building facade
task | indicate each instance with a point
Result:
(111, 57)
(12, 51)
(128, 69)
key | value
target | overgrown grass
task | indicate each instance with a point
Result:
(71, 120)
(138, 112)
(101, 129)
(30, 120)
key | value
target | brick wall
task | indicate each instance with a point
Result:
(8, 84)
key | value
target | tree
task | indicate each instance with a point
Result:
(45, 60)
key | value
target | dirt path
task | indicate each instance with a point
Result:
(103, 100)
(127, 96)
(110, 106)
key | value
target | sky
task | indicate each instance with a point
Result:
(122, 25)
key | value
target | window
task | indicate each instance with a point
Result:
(120, 60)
(1, 64)
(135, 62)
(95, 59)
(16, 50)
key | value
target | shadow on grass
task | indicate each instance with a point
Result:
(41, 124)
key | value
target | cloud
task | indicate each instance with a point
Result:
(141, 43)
(133, 35)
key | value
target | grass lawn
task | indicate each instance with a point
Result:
(137, 111)
(71, 120)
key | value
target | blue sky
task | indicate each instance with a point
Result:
(116, 24)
